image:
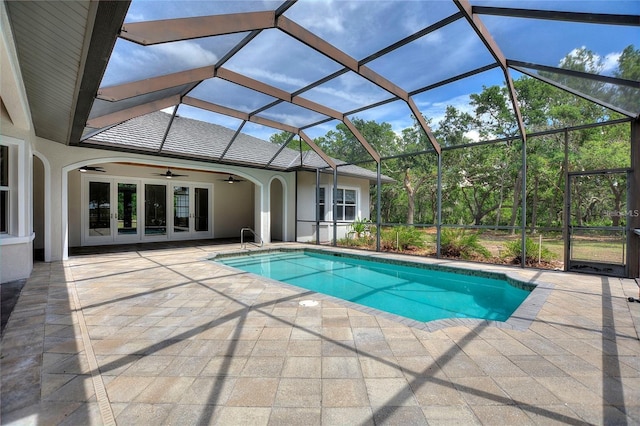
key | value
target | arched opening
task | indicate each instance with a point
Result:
(276, 208)
(140, 204)
(39, 207)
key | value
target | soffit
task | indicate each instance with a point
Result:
(62, 48)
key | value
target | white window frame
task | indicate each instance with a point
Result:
(18, 220)
(6, 189)
(342, 207)
(141, 236)
(328, 203)
(327, 198)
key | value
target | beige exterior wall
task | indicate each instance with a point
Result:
(307, 205)
(16, 131)
(235, 206)
(232, 204)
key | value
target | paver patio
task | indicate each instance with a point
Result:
(168, 337)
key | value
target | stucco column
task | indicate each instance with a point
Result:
(262, 213)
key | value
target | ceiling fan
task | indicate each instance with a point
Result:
(85, 169)
(169, 174)
(231, 179)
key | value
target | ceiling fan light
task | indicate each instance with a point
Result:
(83, 169)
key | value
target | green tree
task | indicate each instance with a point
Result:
(343, 145)
(628, 68)
(629, 64)
(417, 173)
(294, 142)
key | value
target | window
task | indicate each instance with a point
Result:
(321, 204)
(346, 204)
(4, 189)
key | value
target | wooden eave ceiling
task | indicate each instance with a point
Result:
(63, 48)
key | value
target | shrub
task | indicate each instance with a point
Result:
(513, 250)
(402, 238)
(459, 243)
(361, 227)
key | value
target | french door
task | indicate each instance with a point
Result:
(127, 211)
(191, 212)
(112, 213)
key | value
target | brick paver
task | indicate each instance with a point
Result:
(168, 337)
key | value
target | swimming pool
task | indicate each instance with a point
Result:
(419, 293)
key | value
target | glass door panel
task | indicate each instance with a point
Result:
(597, 227)
(201, 209)
(99, 209)
(181, 209)
(127, 209)
(155, 210)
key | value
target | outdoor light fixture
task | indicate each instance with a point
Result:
(169, 174)
(231, 179)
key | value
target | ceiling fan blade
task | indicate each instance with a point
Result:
(85, 169)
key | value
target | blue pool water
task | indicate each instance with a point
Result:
(412, 292)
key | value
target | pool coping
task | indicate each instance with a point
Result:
(520, 319)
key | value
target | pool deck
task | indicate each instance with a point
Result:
(168, 337)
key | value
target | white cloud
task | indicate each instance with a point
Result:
(130, 62)
(597, 64)
(332, 21)
(610, 62)
(135, 17)
(189, 53)
(295, 120)
(474, 135)
(351, 92)
(435, 111)
(263, 74)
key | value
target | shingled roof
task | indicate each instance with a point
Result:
(206, 141)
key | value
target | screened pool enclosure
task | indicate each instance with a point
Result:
(508, 126)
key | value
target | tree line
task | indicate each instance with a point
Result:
(482, 182)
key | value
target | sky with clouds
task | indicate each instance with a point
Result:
(360, 29)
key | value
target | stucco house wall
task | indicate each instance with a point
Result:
(307, 206)
(234, 206)
(16, 132)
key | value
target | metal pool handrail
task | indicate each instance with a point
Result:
(243, 244)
